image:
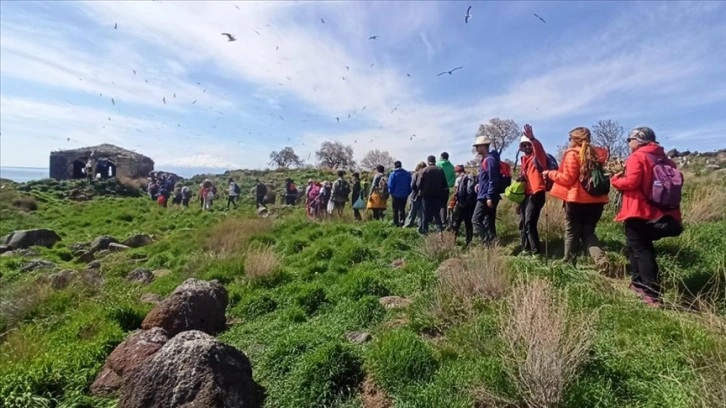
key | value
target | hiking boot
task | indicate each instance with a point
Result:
(640, 292)
(652, 302)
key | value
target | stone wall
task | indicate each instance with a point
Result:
(67, 164)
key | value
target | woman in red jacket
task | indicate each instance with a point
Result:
(644, 221)
(582, 211)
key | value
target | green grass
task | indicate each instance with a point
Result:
(293, 325)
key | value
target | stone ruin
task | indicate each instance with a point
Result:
(70, 164)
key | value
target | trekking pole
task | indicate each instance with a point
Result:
(547, 236)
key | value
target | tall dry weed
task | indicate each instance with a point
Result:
(546, 342)
(464, 282)
(440, 246)
(16, 303)
(261, 263)
(710, 374)
(552, 219)
(706, 204)
(232, 236)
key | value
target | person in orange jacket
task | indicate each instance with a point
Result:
(644, 220)
(534, 193)
(582, 210)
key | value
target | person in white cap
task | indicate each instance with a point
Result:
(485, 212)
(534, 162)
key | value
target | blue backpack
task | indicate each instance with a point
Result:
(551, 165)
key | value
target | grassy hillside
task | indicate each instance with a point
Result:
(484, 328)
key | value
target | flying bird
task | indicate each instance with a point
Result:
(113, 102)
(195, 101)
(230, 36)
(174, 95)
(373, 37)
(396, 108)
(349, 116)
(277, 47)
(449, 72)
(115, 26)
(134, 71)
(236, 6)
(257, 32)
(468, 15)
(540, 18)
(408, 75)
(412, 136)
(164, 99)
(347, 68)
(363, 108)
(322, 21)
(372, 64)
(337, 119)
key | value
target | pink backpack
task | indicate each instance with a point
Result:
(666, 188)
(314, 192)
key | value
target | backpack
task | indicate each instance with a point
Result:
(186, 192)
(341, 189)
(466, 195)
(236, 188)
(382, 187)
(314, 192)
(551, 165)
(293, 188)
(666, 188)
(505, 175)
(597, 183)
(515, 192)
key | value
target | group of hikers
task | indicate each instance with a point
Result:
(438, 192)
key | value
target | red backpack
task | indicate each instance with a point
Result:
(505, 175)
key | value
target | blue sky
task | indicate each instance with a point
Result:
(659, 64)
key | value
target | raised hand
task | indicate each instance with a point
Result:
(528, 131)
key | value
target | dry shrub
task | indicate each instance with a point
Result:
(261, 263)
(232, 235)
(132, 183)
(710, 376)
(25, 203)
(705, 204)
(545, 342)
(16, 303)
(464, 282)
(552, 219)
(439, 246)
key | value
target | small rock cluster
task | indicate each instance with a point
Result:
(175, 361)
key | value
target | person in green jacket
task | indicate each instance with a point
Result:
(448, 168)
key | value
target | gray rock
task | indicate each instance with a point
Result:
(25, 253)
(62, 279)
(358, 337)
(4, 249)
(94, 265)
(37, 264)
(140, 275)
(102, 253)
(28, 238)
(151, 298)
(80, 246)
(113, 247)
(92, 278)
(102, 243)
(192, 370)
(194, 305)
(138, 241)
(84, 256)
(394, 302)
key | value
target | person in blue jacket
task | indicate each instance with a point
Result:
(485, 212)
(399, 186)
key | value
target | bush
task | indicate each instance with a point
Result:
(545, 343)
(365, 312)
(256, 306)
(261, 263)
(705, 205)
(360, 285)
(400, 357)
(233, 235)
(25, 203)
(327, 376)
(439, 246)
(127, 318)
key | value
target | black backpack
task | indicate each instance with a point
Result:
(466, 196)
(341, 189)
(551, 165)
(597, 183)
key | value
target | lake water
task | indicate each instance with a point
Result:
(23, 174)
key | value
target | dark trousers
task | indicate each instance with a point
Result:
(399, 210)
(378, 213)
(529, 212)
(260, 202)
(639, 237)
(464, 214)
(445, 208)
(290, 199)
(232, 200)
(431, 210)
(484, 220)
(580, 223)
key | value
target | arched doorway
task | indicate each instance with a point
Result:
(77, 169)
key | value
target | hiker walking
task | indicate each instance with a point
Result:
(534, 161)
(466, 198)
(260, 193)
(291, 192)
(312, 199)
(414, 198)
(378, 198)
(434, 191)
(341, 191)
(357, 197)
(448, 168)
(208, 193)
(399, 185)
(233, 193)
(651, 187)
(583, 209)
(186, 195)
(488, 187)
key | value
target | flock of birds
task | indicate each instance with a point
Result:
(231, 38)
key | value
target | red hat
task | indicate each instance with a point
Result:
(458, 168)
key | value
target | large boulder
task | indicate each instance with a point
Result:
(128, 355)
(138, 241)
(192, 370)
(102, 243)
(194, 305)
(28, 238)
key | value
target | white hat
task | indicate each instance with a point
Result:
(524, 139)
(482, 140)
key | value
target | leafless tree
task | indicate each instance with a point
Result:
(376, 157)
(610, 134)
(285, 158)
(502, 132)
(335, 156)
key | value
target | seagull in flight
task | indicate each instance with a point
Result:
(134, 71)
(373, 37)
(115, 26)
(113, 102)
(468, 15)
(396, 108)
(195, 101)
(257, 32)
(236, 6)
(164, 99)
(540, 18)
(230, 36)
(408, 75)
(337, 119)
(322, 21)
(449, 72)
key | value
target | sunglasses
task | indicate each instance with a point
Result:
(630, 139)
